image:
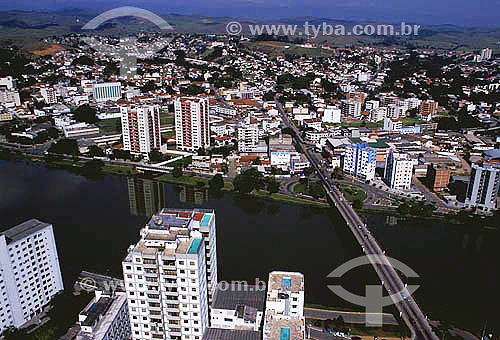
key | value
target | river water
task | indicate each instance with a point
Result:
(95, 220)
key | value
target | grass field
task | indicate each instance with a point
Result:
(353, 193)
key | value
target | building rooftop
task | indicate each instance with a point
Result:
(23, 230)
(251, 296)
(230, 334)
(292, 282)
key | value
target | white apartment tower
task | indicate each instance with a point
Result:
(29, 272)
(170, 275)
(49, 95)
(107, 91)
(484, 183)
(284, 316)
(248, 137)
(192, 126)
(398, 171)
(351, 108)
(140, 128)
(360, 161)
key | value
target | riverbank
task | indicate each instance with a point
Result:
(166, 178)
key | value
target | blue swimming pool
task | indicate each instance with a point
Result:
(285, 333)
(206, 220)
(193, 249)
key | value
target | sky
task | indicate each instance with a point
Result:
(457, 12)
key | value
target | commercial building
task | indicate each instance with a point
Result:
(192, 125)
(398, 171)
(29, 272)
(107, 91)
(79, 130)
(140, 128)
(105, 318)
(9, 97)
(284, 316)
(360, 161)
(438, 177)
(170, 275)
(5, 116)
(482, 190)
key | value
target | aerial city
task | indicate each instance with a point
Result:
(249, 170)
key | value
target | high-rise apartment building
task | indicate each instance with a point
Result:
(29, 272)
(428, 108)
(360, 161)
(140, 128)
(486, 54)
(284, 316)
(398, 171)
(484, 183)
(351, 108)
(49, 95)
(438, 177)
(170, 275)
(248, 137)
(192, 126)
(107, 91)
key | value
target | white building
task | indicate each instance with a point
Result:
(392, 124)
(29, 272)
(239, 307)
(284, 317)
(105, 318)
(298, 163)
(486, 54)
(49, 95)
(360, 161)
(331, 115)
(8, 82)
(372, 105)
(351, 108)
(378, 114)
(398, 171)
(140, 128)
(79, 129)
(107, 91)
(170, 275)
(482, 190)
(248, 137)
(9, 97)
(192, 125)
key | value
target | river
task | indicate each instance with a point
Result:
(95, 220)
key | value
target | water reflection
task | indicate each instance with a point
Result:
(193, 195)
(146, 197)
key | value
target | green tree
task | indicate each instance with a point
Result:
(95, 151)
(93, 167)
(316, 190)
(85, 113)
(155, 156)
(273, 185)
(216, 183)
(404, 208)
(177, 172)
(65, 146)
(248, 181)
(308, 171)
(338, 173)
